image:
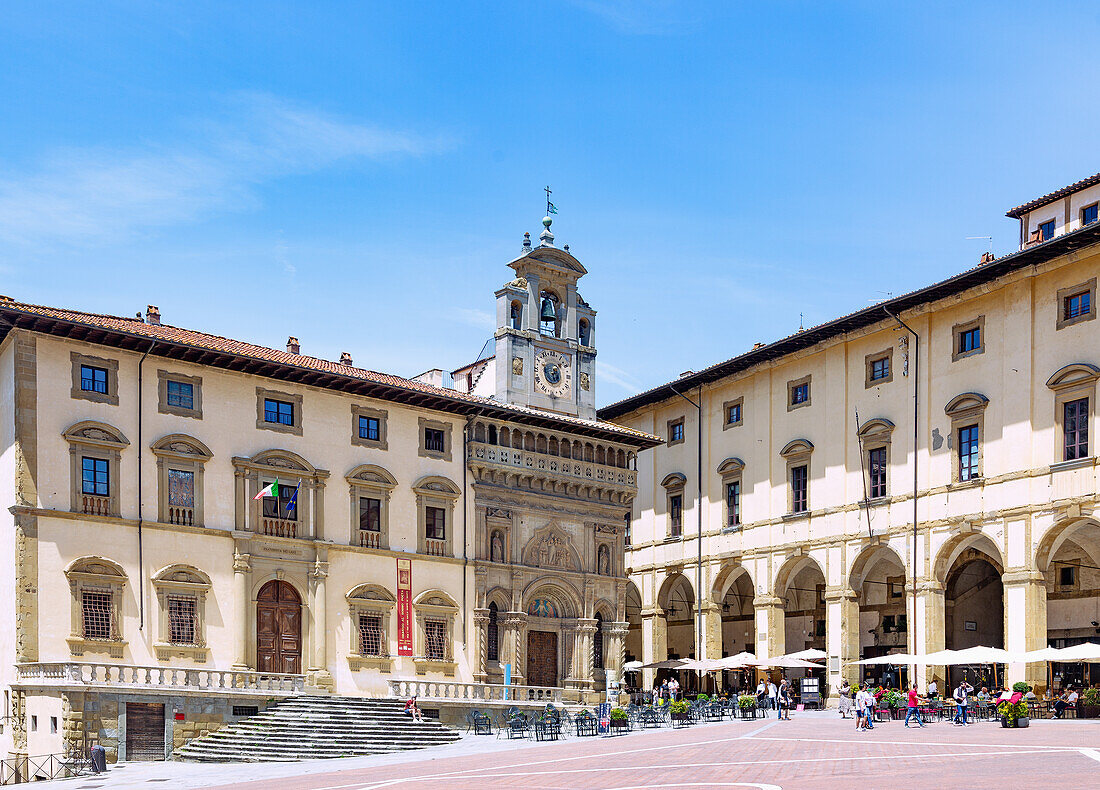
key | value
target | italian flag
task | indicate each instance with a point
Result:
(271, 490)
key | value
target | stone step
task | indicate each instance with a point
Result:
(308, 727)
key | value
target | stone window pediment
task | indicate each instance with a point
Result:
(796, 448)
(96, 585)
(966, 404)
(1079, 374)
(876, 428)
(731, 467)
(181, 592)
(674, 480)
(102, 444)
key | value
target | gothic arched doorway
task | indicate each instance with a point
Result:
(278, 629)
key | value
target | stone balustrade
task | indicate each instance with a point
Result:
(485, 692)
(553, 464)
(126, 677)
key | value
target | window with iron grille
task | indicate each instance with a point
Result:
(733, 503)
(876, 460)
(95, 609)
(246, 710)
(181, 619)
(95, 476)
(181, 488)
(93, 379)
(278, 411)
(492, 643)
(433, 440)
(968, 453)
(597, 644)
(1077, 305)
(799, 492)
(181, 394)
(676, 514)
(369, 428)
(435, 523)
(435, 640)
(370, 514)
(370, 635)
(1075, 422)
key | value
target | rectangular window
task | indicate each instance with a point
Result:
(880, 369)
(626, 529)
(181, 619)
(733, 414)
(800, 393)
(895, 586)
(970, 340)
(968, 453)
(93, 379)
(1067, 576)
(96, 615)
(799, 489)
(278, 411)
(284, 506)
(676, 514)
(96, 476)
(368, 428)
(53, 725)
(435, 523)
(433, 440)
(676, 432)
(181, 394)
(876, 461)
(1077, 305)
(370, 635)
(1046, 230)
(181, 488)
(1075, 422)
(1089, 214)
(733, 503)
(34, 724)
(370, 514)
(435, 640)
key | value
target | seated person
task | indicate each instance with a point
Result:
(412, 710)
(1067, 700)
(983, 695)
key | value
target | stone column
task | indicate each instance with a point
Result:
(930, 634)
(712, 630)
(514, 640)
(481, 645)
(654, 641)
(586, 633)
(841, 636)
(1025, 603)
(771, 639)
(242, 569)
(616, 649)
(319, 674)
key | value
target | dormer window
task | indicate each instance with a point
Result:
(1046, 230)
(1089, 214)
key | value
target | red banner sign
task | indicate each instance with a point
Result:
(404, 607)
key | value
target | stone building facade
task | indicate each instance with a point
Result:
(162, 586)
(915, 476)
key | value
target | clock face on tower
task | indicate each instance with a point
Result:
(553, 374)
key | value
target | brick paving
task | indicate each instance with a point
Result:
(810, 753)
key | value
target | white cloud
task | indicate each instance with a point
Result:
(94, 194)
(475, 318)
(637, 17)
(618, 377)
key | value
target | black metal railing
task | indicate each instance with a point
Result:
(16, 770)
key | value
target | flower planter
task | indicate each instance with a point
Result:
(748, 713)
(1088, 711)
(1022, 721)
(619, 726)
(680, 719)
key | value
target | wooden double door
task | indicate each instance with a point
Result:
(278, 629)
(542, 658)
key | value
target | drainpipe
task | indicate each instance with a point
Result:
(916, 391)
(140, 448)
(699, 519)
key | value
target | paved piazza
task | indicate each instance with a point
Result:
(811, 752)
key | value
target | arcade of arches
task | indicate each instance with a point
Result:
(856, 601)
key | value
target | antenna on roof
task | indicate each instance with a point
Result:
(987, 238)
(800, 321)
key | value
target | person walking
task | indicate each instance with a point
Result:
(784, 698)
(772, 692)
(913, 709)
(961, 702)
(865, 702)
(845, 693)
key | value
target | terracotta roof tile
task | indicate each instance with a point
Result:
(1050, 197)
(203, 340)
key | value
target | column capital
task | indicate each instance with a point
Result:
(651, 612)
(768, 602)
(481, 615)
(242, 563)
(616, 629)
(930, 586)
(834, 594)
(1022, 576)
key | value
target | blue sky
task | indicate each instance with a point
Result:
(357, 174)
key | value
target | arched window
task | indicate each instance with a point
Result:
(492, 434)
(583, 332)
(597, 643)
(549, 313)
(516, 316)
(493, 641)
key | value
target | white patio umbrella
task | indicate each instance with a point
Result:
(739, 661)
(810, 654)
(897, 659)
(787, 662)
(632, 666)
(1086, 651)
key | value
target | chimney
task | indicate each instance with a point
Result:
(987, 257)
(687, 373)
(292, 345)
(757, 345)
(152, 315)
(345, 359)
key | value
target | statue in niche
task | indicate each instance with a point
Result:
(496, 548)
(603, 561)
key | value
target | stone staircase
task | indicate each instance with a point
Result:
(312, 727)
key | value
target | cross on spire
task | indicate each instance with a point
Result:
(550, 207)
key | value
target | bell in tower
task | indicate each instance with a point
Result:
(545, 352)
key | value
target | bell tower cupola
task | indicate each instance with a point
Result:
(545, 340)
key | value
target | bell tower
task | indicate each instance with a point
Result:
(545, 340)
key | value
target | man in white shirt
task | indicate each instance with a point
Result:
(1067, 700)
(933, 689)
(772, 692)
(865, 703)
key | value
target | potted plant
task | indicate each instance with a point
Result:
(619, 720)
(1090, 704)
(702, 698)
(1013, 714)
(680, 712)
(1021, 687)
(894, 701)
(746, 705)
